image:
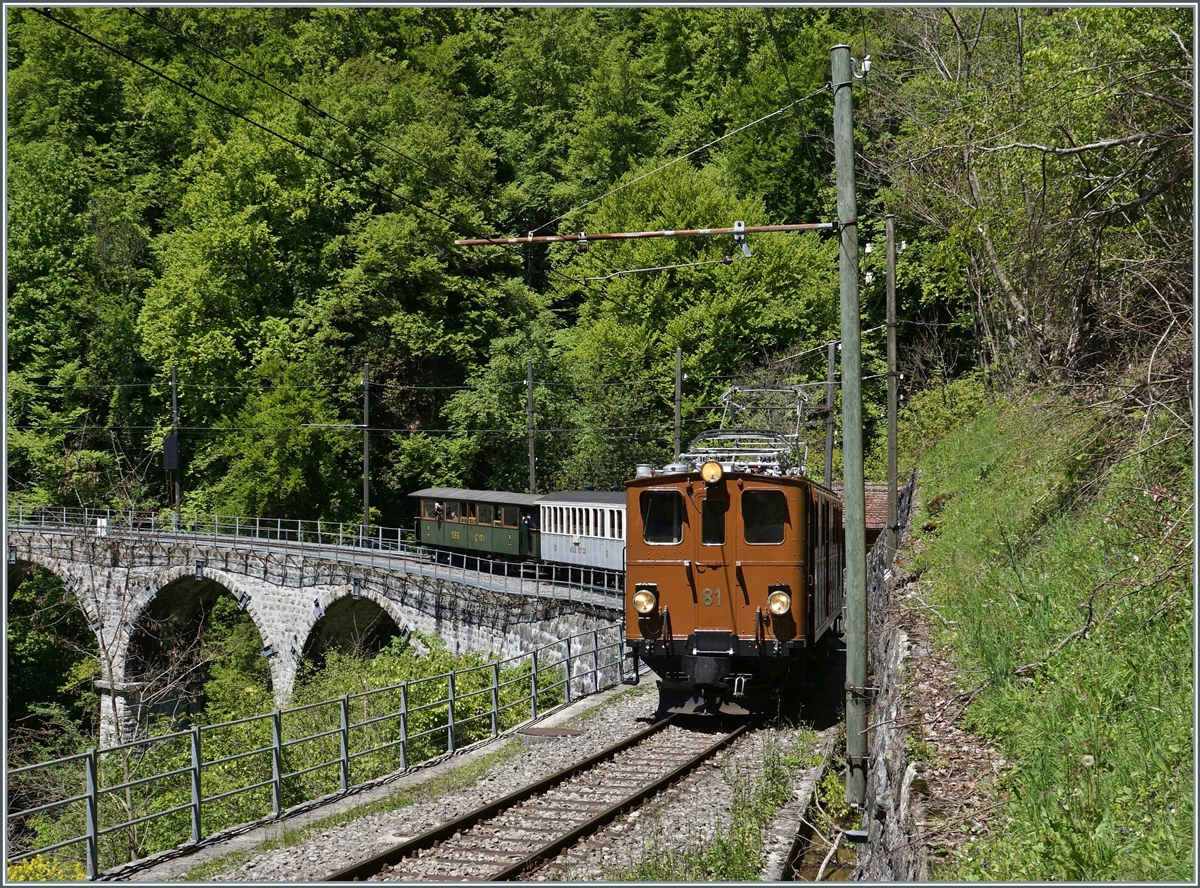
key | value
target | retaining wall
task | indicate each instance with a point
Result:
(893, 851)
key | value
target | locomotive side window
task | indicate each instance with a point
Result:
(764, 512)
(662, 516)
(712, 514)
(451, 511)
(510, 516)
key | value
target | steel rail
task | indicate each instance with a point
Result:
(550, 849)
(373, 865)
(511, 870)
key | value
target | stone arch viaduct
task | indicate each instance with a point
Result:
(286, 587)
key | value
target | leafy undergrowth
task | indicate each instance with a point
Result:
(1060, 552)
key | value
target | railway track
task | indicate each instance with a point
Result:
(503, 839)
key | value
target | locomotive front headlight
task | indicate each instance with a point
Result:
(644, 601)
(711, 472)
(779, 603)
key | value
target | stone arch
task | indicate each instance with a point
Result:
(190, 596)
(331, 601)
(93, 609)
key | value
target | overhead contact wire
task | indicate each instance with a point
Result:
(305, 102)
(670, 163)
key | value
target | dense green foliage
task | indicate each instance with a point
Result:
(1060, 561)
(266, 202)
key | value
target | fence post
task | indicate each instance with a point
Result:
(345, 738)
(93, 837)
(196, 794)
(495, 699)
(450, 714)
(277, 762)
(568, 669)
(595, 660)
(621, 653)
(533, 687)
(404, 726)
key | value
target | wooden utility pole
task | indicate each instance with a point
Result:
(829, 414)
(852, 450)
(178, 472)
(678, 402)
(893, 517)
(529, 414)
(366, 449)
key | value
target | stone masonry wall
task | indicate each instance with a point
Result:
(892, 851)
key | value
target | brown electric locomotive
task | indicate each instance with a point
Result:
(734, 572)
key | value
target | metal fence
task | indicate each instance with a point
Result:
(389, 548)
(112, 810)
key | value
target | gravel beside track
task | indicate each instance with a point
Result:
(684, 817)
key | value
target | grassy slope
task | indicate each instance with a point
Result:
(1047, 524)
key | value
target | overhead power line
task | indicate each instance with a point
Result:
(670, 163)
(303, 101)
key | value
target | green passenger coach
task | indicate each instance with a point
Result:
(479, 522)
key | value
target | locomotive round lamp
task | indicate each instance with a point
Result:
(779, 603)
(711, 472)
(644, 601)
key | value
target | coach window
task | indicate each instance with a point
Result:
(620, 525)
(662, 516)
(510, 516)
(429, 509)
(472, 512)
(485, 513)
(712, 514)
(451, 511)
(764, 512)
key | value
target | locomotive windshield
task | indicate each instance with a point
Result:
(712, 513)
(662, 516)
(764, 513)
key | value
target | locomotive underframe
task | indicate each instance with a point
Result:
(720, 671)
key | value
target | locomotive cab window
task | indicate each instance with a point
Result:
(712, 514)
(764, 512)
(510, 516)
(662, 516)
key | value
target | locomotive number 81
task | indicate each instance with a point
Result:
(733, 573)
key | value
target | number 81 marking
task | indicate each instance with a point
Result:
(708, 597)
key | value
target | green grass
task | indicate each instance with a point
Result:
(1063, 564)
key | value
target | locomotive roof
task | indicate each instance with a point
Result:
(479, 496)
(601, 497)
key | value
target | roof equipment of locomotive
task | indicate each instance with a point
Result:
(762, 431)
